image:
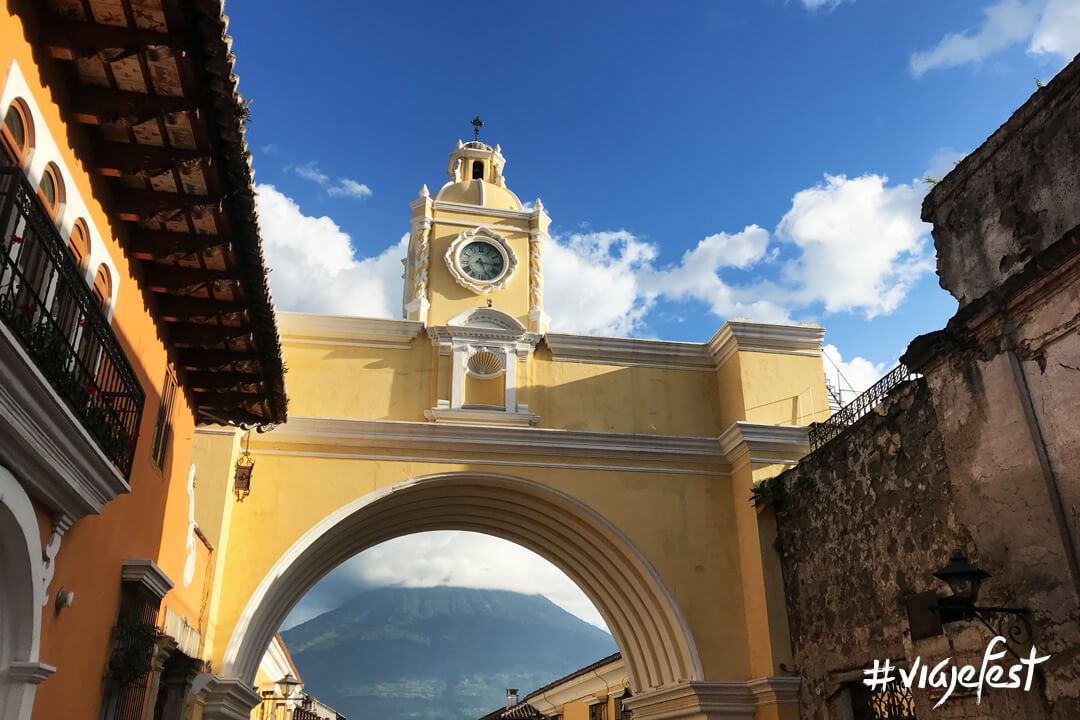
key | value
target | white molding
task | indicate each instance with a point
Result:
(629, 351)
(466, 223)
(717, 700)
(775, 690)
(491, 440)
(30, 673)
(446, 460)
(43, 443)
(225, 698)
(467, 209)
(475, 416)
(310, 328)
(742, 436)
(148, 574)
(480, 234)
(735, 336)
(750, 336)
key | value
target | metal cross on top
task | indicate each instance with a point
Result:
(477, 123)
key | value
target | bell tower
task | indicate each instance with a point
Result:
(474, 277)
(473, 244)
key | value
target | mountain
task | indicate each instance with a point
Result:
(438, 653)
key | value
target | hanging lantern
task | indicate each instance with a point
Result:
(244, 466)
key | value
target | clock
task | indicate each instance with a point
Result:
(482, 261)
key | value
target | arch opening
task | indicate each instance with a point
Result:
(618, 580)
(22, 594)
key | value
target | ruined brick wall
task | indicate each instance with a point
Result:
(877, 519)
(1013, 197)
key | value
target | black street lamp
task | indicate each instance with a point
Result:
(965, 580)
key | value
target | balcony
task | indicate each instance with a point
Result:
(48, 310)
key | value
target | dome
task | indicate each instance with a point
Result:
(478, 192)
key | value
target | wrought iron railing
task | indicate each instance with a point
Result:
(46, 303)
(845, 417)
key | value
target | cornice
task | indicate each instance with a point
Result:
(27, 673)
(775, 690)
(758, 437)
(467, 209)
(712, 699)
(148, 574)
(492, 440)
(750, 336)
(629, 351)
(735, 335)
(309, 328)
(475, 416)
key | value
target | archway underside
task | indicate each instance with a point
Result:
(628, 593)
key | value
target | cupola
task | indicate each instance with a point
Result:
(476, 177)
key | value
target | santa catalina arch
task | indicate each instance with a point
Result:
(627, 463)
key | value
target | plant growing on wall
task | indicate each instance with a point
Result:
(772, 493)
(133, 649)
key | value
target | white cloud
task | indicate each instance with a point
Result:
(849, 378)
(593, 282)
(313, 268)
(310, 171)
(858, 246)
(460, 559)
(1058, 31)
(862, 244)
(822, 4)
(347, 187)
(1053, 27)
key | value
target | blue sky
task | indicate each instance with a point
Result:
(700, 160)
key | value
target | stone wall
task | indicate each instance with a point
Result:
(1013, 197)
(877, 516)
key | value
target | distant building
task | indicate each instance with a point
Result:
(282, 690)
(595, 692)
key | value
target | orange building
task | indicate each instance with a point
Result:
(133, 307)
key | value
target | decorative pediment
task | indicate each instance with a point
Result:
(486, 318)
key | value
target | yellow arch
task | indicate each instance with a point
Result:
(644, 619)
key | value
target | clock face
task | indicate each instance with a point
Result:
(482, 261)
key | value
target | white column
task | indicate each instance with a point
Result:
(510, 391)
(457, 375)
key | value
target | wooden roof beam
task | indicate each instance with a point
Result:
(133, 205)
(228, 399)
(195, 335)
(71, 39)
(97, 105)
(203, 359)
(187, 309)
(201, 380)
(172, 278)
(145, 243)
(119, 158)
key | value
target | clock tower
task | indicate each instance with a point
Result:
(473, 244)
(474, 278)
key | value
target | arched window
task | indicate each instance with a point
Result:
(51, 190)
(17, 133)
(79, 243)
(478, 170)
(103, 286)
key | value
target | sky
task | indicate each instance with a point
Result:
(700, 161)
